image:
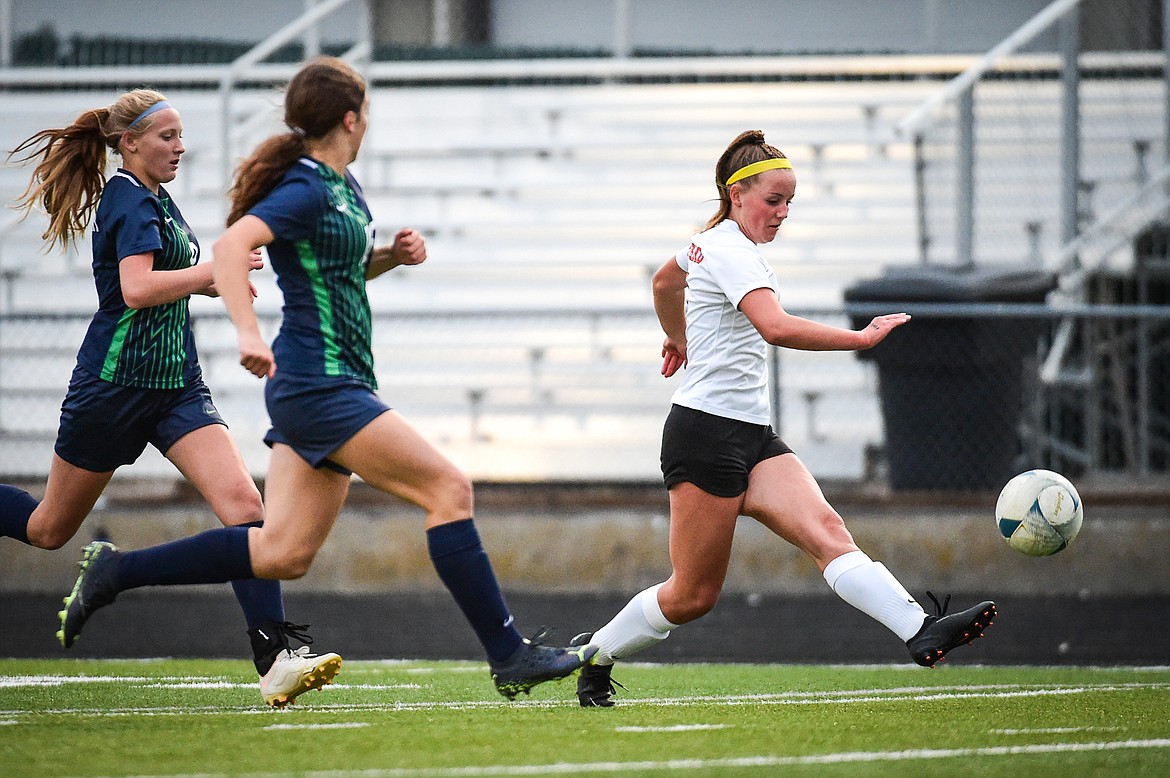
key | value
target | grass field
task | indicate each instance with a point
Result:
(401, 718)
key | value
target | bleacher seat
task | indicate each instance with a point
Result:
(555, 204)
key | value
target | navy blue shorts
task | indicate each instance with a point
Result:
(106, 425)
(714, 453)
(315, 415)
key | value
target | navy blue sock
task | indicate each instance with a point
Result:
(463, 566)
(16, 505)
(216, 556)
(260, 598)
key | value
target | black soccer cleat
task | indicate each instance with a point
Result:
(595, 685)
(533, 663)
(96, 586)
(941, 633)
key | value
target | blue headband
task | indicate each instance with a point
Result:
(160, 105)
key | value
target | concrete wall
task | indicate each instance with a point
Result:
(545, 541)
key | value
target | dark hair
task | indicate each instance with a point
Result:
(316, 100)
(748, 147)
(68, 180)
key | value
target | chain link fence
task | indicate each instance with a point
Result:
(960, 399)
(1047, 141)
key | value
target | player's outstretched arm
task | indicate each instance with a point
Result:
(781, 328)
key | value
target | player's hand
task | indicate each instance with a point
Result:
(409, 248)
(255, 260)
(881, 326)
(674, 356)
(256, 357)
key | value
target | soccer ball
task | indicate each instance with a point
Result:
(1038, 512)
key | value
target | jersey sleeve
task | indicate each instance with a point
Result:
(138, 225)
(291, 209)
(737, 272)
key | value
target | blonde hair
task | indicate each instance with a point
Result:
(748, 147)
(68, 179)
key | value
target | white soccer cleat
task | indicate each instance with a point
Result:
(295, 672)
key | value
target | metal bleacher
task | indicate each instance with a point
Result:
(526, 345)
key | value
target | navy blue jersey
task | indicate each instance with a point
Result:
(151, 348)
(324, 236)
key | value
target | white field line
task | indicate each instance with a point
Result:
(840, 697)
(1051, 730)
(16, 681)
(162, 682)
(743, 763)
(673, 728)
(338, 725)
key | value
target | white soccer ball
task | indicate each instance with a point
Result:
(1039, 512)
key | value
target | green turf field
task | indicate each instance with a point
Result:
(197, 717)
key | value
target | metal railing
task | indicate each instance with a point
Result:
(306, 22)
(576, 394)
(959, 96)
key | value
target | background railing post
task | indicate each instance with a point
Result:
(920, 197)
(312, 37)
(5, 33)
(1070, 150)
(1166, 76)
(965, 178)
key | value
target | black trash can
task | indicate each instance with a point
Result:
(951, 388)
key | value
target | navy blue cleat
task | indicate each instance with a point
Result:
(532, 664)
(96, 587)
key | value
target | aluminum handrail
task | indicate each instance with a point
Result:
(462, 70)
(592, 68)
(253, 57)
(1063, 259)
(918, 119)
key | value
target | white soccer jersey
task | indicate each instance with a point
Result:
(726, 373)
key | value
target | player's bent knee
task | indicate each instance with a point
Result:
(287, 569)
(833, 531)
(243, 506)
(690, 605)
(452, 496)
(49, 539)
(284, 565)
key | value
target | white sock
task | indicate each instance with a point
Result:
(637, 626)
(871, 588)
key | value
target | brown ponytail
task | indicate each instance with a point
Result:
(748, 147)
(317, 99)
(259, 173)
(67, 182)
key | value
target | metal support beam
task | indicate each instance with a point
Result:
(6, 23)
(1166, 74)
(1070, 147)
(965, 181)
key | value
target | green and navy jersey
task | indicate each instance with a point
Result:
(149, 348)
(324, 235)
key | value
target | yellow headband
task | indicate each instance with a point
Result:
(773, 163)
